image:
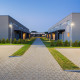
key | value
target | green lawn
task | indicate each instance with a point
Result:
(23, 49)
(65, 63)
(10, 44)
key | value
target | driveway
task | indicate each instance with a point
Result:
(36, 64)
(72, 54)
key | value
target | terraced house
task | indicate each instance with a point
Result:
(66, 29)
(10, 28)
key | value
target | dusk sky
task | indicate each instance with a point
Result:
(39, 15)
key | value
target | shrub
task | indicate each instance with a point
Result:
(59, 43)
(11, 40)
(66, 43)
(0, 41)
(75, 43)
(26, 41)
(7, 40)
(52, 43)
(22, 41)
(79, 43)
(19, 41)
(45, 38)
(3, 40)
(14, 41)
(31, 39)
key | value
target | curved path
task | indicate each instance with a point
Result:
(36, 64)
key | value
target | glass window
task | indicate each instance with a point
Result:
(68, 34)
(68, 22)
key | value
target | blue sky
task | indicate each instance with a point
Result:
(39, 15)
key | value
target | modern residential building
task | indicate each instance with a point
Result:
(66, 29)
(10, 28)
(37, 34)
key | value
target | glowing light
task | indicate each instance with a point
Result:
(10, 25)
(72, 24)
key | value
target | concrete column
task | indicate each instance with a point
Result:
(29, 36)
(21, 35)
(48, 35)
(56, 35)
(51, 36)
(26, 35)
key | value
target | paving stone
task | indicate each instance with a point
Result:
(72, 54)
(36, 64)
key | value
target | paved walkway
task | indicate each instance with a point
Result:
(36, 64)
(72, 54)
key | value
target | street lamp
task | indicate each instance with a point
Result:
(71, 25)
(11, 26)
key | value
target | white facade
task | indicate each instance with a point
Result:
(71, 32)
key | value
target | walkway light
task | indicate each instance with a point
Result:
(11, 26)
(72, 24)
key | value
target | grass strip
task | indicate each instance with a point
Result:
(9, 44)
(65, 63)
(23, 49)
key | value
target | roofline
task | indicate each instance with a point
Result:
(14, 19)
(65, 17)
(61, 20)
(75, 13)
(4, 15)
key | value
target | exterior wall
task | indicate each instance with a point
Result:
(3, 27)
(76, 27)
(37, 34)
(64, 24)
(17, 27)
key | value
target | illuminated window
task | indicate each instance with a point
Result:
(53, 36)
(24, 35)
(69, 22)
(68, 34)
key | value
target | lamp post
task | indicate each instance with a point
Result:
(11, 26)
(49, 37)
(72, 24)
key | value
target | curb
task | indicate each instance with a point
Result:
(72, 70)
(14, 56)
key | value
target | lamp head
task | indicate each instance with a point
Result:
(72, 24)
(10, 25)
